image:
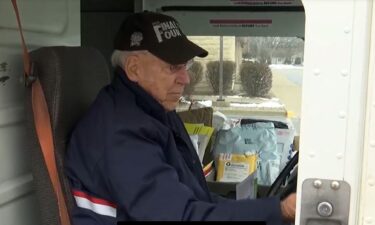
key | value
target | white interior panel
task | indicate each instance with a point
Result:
(45, 23)
(334, 93)
(367, 208)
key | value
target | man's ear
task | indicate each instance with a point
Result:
(132, 68)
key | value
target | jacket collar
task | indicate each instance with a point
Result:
(144, 100)
(153, 108)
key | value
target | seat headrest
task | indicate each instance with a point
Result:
(71, 77)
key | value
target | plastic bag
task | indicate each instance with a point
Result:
(257, 138)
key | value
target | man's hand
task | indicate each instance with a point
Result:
(288, 208)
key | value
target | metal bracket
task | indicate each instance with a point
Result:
(325, 202)
(29, 79)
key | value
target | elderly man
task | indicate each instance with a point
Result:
(130, 157)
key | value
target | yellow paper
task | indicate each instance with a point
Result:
(201, 135)
(235, 167)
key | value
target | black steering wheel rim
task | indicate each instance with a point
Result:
(277, 188)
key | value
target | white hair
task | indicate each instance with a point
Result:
(119, 57)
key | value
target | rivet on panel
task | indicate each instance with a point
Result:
(368, 220)
(316, 72)
(344, 73)
(339, 156)
(342, 115)
(335, 185)
(347, 30)
(371, 182)
(317, 183)
(372, 144)
(312, 154)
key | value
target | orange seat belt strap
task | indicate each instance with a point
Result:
(43, 127)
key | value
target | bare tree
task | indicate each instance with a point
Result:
(263, 49)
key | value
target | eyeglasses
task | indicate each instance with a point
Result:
(179, 67)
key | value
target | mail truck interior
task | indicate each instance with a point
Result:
(291, 77)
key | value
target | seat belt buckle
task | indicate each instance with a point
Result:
(29, 79)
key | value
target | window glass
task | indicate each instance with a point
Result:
(261, 76)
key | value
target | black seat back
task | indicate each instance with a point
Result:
(71, 77)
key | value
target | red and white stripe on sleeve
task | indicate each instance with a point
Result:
(97, 205)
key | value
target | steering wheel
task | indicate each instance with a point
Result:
(286, 182)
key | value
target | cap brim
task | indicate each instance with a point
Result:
(178, 52)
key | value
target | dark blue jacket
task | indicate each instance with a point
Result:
(128, 159)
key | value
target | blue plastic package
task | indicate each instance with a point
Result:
(259, 138)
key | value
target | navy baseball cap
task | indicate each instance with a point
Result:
(159, 34)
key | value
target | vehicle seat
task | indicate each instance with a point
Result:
(70, 77)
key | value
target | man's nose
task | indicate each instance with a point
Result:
(183, 77)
